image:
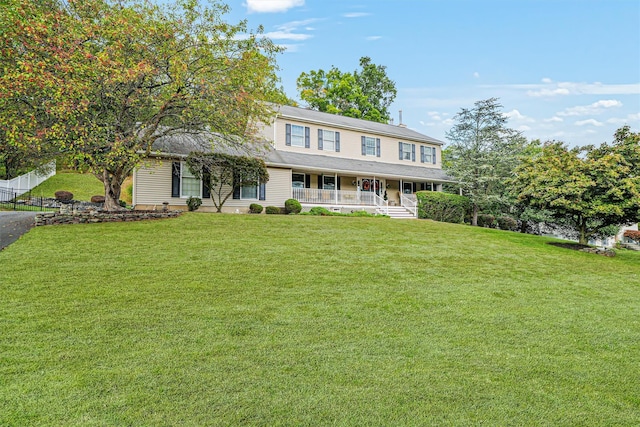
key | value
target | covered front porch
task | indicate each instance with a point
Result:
(339, 191)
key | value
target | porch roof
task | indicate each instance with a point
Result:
(354, 167)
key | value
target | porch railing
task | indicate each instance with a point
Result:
(382, 206)
(334, 197)
(409, 202)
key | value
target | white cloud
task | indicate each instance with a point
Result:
(554, 119)
(355, 14)
(476, 75)
(549, 92)
(285, 35)
(549, 88)
(547, 80)
(269, 6)
(517, 116)
(592, 122)
(591, 109)
(523, 128)
(374, 38)
(631, 118)
(294, 25)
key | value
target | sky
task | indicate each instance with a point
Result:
(566, 70)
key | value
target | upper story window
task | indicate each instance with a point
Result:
(428, 154)
(407, 151)
(370, 146)
(328, 140)
(297, 136)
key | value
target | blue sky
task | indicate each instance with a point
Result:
(567, 70)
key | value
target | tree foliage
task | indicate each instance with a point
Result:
(102, 80)
(587, 188)
(483, 153)
(365, 94)
(225, 173)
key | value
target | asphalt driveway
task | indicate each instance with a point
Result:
(13, 225)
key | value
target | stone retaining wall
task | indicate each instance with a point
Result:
(54, 218)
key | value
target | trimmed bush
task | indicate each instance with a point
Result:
(97, 199)
(486, 220)
(507, 223)
(319, 210)
(443, 207)
(272, 210)
(193, 203)
(255, 208)
(64, 196)
(292, 206)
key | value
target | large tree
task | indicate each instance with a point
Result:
(102, 80)
(482, 154)
(589, 189)
(365, 94)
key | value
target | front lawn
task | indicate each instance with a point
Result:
(214, 319)
(83, 186)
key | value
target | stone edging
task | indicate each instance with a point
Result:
(54, 218)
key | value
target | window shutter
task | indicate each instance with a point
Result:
(415, 187)
(400, 150)
(175, 179)
(236, 189)
(337, 142)
(320, 182)
(338, 184)
(206, 179)
(262, 191)
(413, 154)
(422, 186)
(433, 155)
(422, 154)
(378, 147)
(319, 139)
(364, 147)
(307, 137)
(307, 181)
(287, 140)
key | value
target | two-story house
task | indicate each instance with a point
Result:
(319, 159)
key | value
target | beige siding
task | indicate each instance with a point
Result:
(350, 144)
(152, 187)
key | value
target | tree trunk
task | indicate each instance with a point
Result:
(112, 188)
(474, 216)
(583, 240)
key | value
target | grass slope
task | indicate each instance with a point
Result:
(283, 320)
(83, 186)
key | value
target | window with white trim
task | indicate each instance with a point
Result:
(297, 180)
(328, 140)
(370, 146)
(249, 192)
(405, 151)
(328, 182)
(297, 136)
(189, 184)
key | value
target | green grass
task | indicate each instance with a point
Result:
(214, 319)
(83, 186)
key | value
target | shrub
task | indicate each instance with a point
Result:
(319, 210)
(442, 207)
(64, 196)
(292, 206)
(97, 199)
(255, 208)
(193, 203)
(122, 203)
(507, 223)
(272, 210)
(486, 220)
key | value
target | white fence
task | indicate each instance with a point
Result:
(23, 183)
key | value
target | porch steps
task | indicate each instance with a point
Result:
(399, 212)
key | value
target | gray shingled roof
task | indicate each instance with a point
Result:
(313, 162)
(354, 124)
